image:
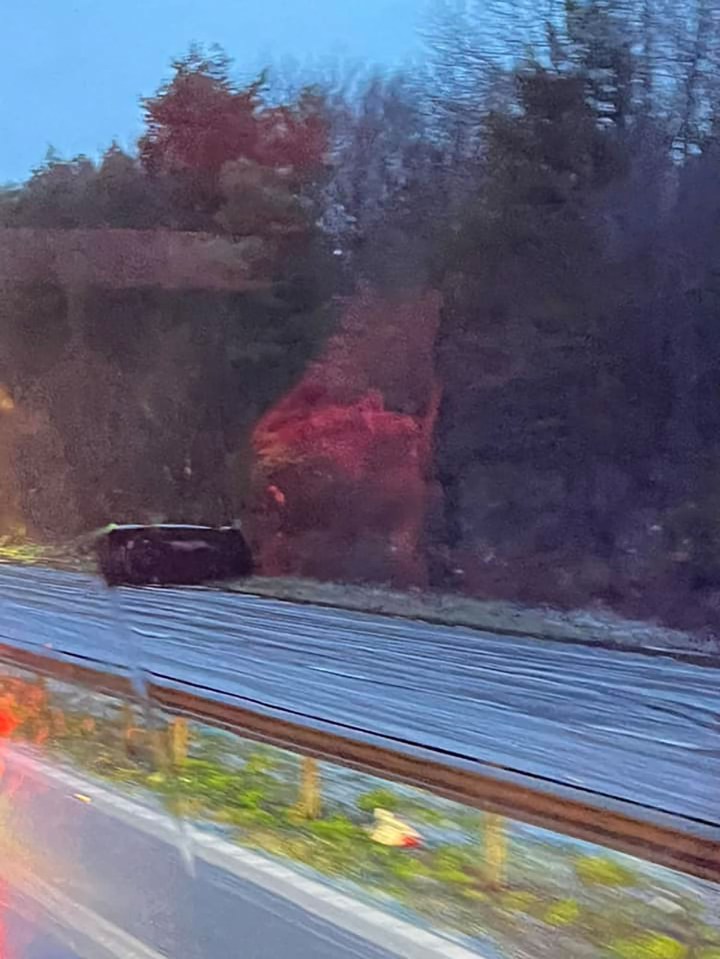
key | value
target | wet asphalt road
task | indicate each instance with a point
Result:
(635, 727)
(119, 875)
(23, 938)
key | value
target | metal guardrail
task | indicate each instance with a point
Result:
(687, 845)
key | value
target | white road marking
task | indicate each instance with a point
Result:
(72, 916)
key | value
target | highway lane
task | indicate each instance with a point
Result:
(639, 728)
(127, 885)
(23, 938)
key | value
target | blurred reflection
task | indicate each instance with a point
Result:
(25, 932)
(292, 856)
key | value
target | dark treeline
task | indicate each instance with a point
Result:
(552, 172)
(138, 401)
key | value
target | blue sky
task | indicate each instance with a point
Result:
(71, 71)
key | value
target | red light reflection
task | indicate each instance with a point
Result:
(8, 724)
(24, 708)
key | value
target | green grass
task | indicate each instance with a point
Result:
(69, 556)
(649, 946)
(603, 871)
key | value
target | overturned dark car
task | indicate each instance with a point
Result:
(171, 555)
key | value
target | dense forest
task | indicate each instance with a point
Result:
(482, 346)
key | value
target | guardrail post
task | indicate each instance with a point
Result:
(495, 849)
(310, 798)
(43, 718)
(128, 727)
(178, 737)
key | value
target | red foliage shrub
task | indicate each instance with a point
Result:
(340, 478)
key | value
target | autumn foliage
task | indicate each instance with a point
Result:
(200, 123)
(342, 479)
(200, 120)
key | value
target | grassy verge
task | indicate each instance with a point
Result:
(68, 557)
(549, 897)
